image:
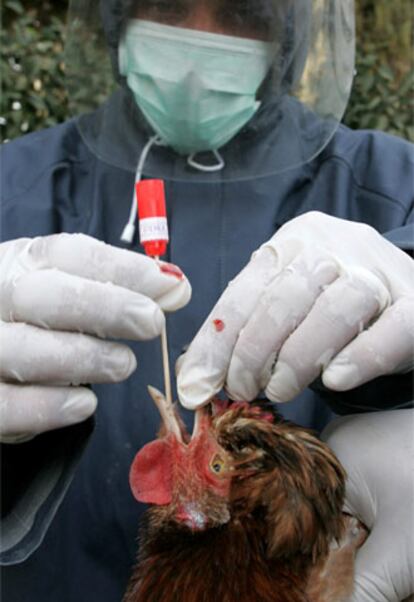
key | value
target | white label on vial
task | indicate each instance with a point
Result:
(153, 228)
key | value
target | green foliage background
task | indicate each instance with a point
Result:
(382, 97)
(32, 68)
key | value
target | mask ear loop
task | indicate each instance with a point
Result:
(129, 229)
(209, 168)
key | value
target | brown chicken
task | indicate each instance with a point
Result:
(247, 509)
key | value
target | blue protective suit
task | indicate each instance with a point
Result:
(53, 183)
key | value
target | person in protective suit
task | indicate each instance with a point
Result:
(293, 231)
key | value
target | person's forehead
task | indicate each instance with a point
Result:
(173, 11)
(250, 18)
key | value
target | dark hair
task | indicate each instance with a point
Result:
(281, 20)
(259, 17)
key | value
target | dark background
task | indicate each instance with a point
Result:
(33, 72)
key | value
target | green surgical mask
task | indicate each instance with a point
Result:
(196, 89)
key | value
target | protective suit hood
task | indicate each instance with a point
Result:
(303, 97)
(114, 15)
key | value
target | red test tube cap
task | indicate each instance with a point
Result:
(152, 216)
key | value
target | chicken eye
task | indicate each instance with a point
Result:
(217, 465)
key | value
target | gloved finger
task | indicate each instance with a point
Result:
(27, 410)
(33, 355)
(178, 364)
(382, 572)
(377, 451)
(59, 301)
(386, 347)
(205, 364)
(279, 311)
(384, 566)
(339, 313)
(92, 259)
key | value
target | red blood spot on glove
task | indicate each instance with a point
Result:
(218, 325)
(171, 270)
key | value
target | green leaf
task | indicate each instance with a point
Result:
(407, 84)
(15, 7)
(369, 60)
(382, 123)
(375, 102)
(386, 73)
(410, 133)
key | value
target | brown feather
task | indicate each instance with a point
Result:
(284, 508)
(296, 478)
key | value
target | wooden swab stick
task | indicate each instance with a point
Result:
(166, 365)
(165, 359)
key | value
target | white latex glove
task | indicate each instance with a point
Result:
(323, 296)
(60, 296)
(377, 451)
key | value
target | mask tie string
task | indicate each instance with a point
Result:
(208, 168)
(129, 229)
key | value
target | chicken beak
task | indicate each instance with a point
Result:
(201, 421)
(167, 412)
(169, 417)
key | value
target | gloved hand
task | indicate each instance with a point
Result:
(60, 296)
(323, 296)
(377, 451)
